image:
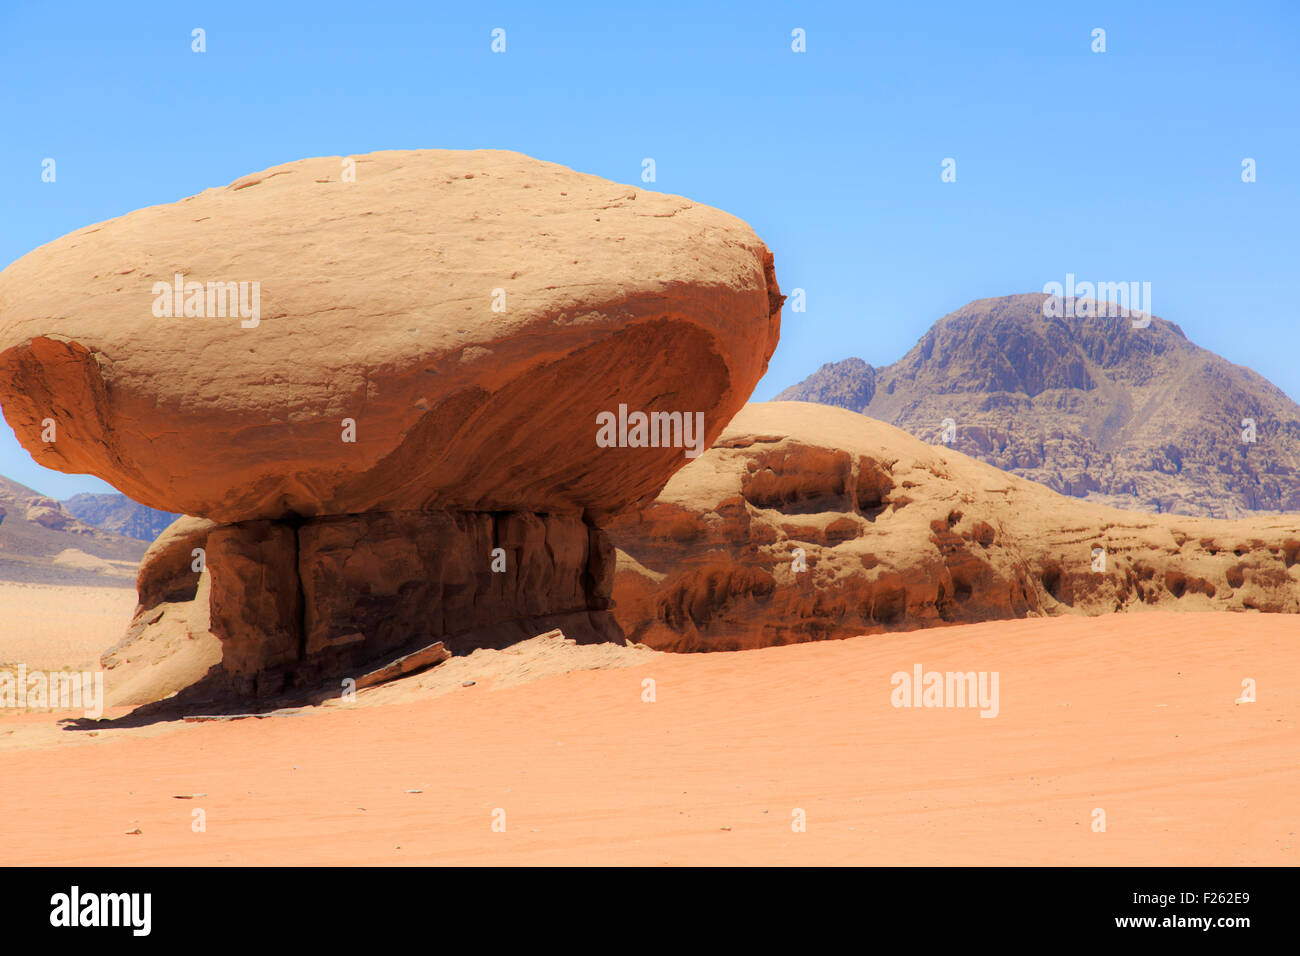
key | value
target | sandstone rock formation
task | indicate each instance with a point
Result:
(47, 513)
(349, 589)
(1091, 407)
(169, 646)
(896, 534)
(384, 380)
(434, 302)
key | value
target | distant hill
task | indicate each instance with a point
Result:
(119, 514)
(43, 543)
(1137, 418)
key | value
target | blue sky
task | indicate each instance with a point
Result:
(1116, 166)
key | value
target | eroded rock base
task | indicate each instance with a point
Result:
(296, 603)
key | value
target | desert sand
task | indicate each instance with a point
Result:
(50, 626)
(1135, 714)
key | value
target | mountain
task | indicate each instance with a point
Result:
(119, 514)
(42, 543)
(1137, 418)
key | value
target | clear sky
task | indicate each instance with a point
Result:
(1116, 166)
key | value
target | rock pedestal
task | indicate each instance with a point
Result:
(296, 603)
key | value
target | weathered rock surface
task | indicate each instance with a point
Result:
(394, 579)
(48, 513)
(291, 604)
(1091, 407)
(896, 535)
(170, 569)
(169, 645)
(470, 311)
(256, 604)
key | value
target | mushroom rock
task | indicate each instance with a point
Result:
(469, 313)
(805, 522)
(384, 380)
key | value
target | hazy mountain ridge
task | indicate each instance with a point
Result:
(43, 543)
(1091, 407)
(119, 514)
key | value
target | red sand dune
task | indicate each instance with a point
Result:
(1134, 714)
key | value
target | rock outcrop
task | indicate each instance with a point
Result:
(170, 646)
(48, 513)
(806, 522)
(1138, 418)
(382, 380)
